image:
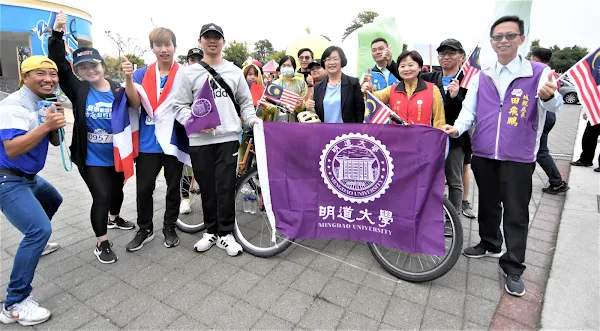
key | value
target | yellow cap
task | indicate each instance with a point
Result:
(36, 62)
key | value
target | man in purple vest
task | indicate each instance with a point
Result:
(509, 101)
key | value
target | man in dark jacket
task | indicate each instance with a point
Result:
(451, 55)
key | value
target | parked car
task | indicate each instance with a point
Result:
(568, 92)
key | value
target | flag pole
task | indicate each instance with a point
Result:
(576, 64)
(430, 58)
(463, 65)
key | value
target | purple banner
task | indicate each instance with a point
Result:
(375, 183)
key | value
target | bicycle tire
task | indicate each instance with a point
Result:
(181, 223)
(239, 236)
(447, 264)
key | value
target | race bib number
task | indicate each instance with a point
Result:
(100, 138)
(149, 120)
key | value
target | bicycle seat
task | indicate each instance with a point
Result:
(308, 117)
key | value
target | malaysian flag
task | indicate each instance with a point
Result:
(375, 111)
(586, 77)
(471, 67)
(278, 93)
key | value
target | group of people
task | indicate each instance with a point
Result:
(509, 102)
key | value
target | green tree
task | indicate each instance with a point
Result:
(275, 56)
(136, 60)
(360, 20)
(404, 47)
(114, 68)
(236, 52)
(182, 59)
(262, 50)
(565, 58)
(535, 44)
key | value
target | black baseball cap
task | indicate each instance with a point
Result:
(86, 54)
(314, 63)
(452, 43)
(211, 27)
(195, 51)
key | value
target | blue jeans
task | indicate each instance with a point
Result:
(28, 204)
(544, 159)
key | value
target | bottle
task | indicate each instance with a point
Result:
(246, 194)
(252, 203)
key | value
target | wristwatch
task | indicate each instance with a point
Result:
(309, 85)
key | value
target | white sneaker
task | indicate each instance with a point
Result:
(27, 312)
(50, 248)
(185, 207)
(229, 244)
(207, 241)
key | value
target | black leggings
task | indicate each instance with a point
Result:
(106, 186)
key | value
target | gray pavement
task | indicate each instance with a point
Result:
(160, 288)
(573, 292)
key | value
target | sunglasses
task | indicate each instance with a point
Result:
(449, 53)
(508, 36)
(306, 58)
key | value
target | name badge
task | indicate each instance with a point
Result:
(149, 120)
(100, 138)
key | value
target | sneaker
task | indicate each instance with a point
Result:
(26, 312)
(514, 285)
(563, 187)
(578, 163)
(207, 241)
(141, 237)
(597, 169)
(478, 251)
(120, 224)
(50, 248)
(104, 253)
(185, 207)
(171, 238)
(467, 210)
(229, 244)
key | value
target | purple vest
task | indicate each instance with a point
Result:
(507, 129)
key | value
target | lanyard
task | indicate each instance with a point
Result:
(61, 137)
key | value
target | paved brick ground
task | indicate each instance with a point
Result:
(159, 288)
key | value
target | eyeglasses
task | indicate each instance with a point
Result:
(332, 59)
(508, 36)
(449, 53)
(305, 58)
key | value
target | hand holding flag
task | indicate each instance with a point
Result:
(471, 67)
(375, 111)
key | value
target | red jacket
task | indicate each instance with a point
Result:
(416, 109)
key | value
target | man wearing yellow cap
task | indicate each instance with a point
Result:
(26, 199)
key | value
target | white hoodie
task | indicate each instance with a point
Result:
(194, 77)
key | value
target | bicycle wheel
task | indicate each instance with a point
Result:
(193, 221)
(253, 231)
(420, 267)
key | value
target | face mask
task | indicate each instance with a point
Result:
(287, 72)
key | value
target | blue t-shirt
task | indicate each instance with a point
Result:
(148, 141)
(98, 114)
(19, 115)
(332, 104)
(446, 80)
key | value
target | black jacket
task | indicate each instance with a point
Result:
(452, 106)
(77, 91)
(352, 104)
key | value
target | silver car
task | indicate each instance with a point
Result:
(569, 92)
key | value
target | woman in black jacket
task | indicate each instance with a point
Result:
(91, 147)
(338, 98)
